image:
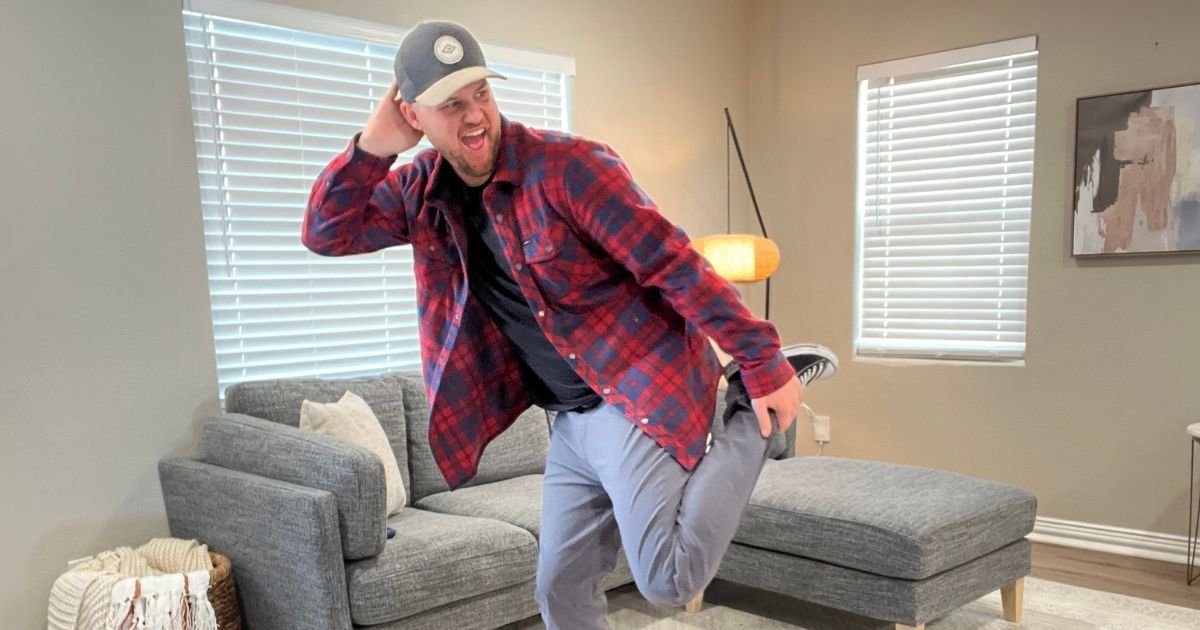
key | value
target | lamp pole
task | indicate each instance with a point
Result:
(753, 199)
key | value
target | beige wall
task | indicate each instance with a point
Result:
(1093, 423)
(108, 361)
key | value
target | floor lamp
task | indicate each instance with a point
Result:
(741, 257)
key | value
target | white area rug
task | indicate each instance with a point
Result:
(1055, 606)
(1047, 606)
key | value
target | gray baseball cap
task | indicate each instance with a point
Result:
(435, 60)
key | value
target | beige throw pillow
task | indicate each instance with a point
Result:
(352, 420)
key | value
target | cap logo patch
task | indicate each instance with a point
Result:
(448, 49)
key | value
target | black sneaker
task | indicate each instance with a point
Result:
(811, 361)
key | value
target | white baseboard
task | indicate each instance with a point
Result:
(1118, 540)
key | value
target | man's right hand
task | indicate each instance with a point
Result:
(387, 133)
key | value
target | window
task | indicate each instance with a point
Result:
(945, 178)
(276, 93)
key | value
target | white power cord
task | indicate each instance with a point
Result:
(820, 426)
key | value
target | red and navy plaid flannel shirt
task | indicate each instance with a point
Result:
(617, 288)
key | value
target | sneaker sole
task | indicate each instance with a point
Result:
(827, 361)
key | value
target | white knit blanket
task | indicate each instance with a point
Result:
(162, 585)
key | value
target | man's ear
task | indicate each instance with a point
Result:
(410, 115)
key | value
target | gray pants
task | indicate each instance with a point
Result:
(608, 485)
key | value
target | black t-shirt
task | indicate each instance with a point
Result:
(552, 382)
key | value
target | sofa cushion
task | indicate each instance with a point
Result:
(436, 559)
(279, 400)
(887, 519)
(517, 501)
(519, 450)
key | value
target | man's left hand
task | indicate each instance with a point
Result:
(785, 402)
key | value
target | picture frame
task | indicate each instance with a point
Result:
(1136, 187)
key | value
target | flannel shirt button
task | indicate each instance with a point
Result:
(520, 266)
(607, 390)
(541, 313)
(571, 356)
(431, 248)
(645, 420)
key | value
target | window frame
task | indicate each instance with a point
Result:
(909, 67)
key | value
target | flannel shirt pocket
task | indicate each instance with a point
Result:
(560, 267)
(433, 248)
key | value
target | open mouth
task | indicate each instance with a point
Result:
(475, 140)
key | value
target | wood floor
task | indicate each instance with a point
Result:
(1137, 577)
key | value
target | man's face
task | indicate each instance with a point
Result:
(464, 128)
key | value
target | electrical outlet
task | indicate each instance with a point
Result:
(821, 428)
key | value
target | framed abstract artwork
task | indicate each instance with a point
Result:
(1137, 172)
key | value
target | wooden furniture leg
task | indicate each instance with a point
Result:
(1010, 596)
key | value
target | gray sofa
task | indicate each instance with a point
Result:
(301, 515)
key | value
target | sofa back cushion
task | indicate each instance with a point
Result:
(279, 400)
(520, 450)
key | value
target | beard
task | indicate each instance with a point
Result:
(480, 169)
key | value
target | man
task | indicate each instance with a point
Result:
(545, 275)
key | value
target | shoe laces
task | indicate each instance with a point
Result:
(813, 371)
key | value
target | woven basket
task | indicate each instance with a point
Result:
(222, 594)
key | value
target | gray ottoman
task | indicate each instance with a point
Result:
(897, 543)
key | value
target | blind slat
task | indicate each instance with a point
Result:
(345, 368)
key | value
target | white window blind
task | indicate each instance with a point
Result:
(273, 101)
(945, 145)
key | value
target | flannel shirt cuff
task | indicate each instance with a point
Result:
(365, 166)
(767, 377)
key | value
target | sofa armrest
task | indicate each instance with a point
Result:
(281, 538)
(352, 473)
